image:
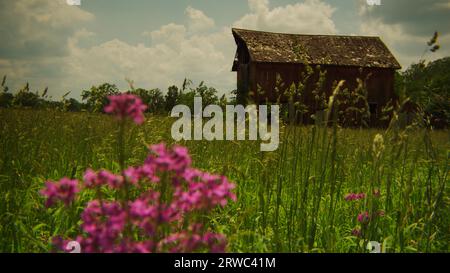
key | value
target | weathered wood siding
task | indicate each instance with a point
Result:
(379, 83)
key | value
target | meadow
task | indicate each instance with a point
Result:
(295, 199)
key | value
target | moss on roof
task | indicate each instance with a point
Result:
(359, 51)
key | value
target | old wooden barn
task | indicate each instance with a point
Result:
(261, 56)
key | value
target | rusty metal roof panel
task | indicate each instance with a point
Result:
(362, 51)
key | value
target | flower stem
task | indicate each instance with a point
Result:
(121, 155)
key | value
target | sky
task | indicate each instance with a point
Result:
(158, 43)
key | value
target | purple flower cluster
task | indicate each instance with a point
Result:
(192, 239)
(162, 217)
(355, 196)
(103, 222)
(64, 191)
(103, 177)
(364, 217)
(126, 105)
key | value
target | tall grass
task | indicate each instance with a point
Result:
(290, 200)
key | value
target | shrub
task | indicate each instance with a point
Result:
(26, 98)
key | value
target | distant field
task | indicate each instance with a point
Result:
(291, 200)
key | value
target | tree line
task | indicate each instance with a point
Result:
(426, 85)
(95, 98)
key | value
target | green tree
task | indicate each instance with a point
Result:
(6, 99)
(233, 98)
(26, 98)
(187, 98)
(72, 105)
(208, 94)
(97, 97)
(187, 95)
(428, 85)
(153, 98)
(172, 97)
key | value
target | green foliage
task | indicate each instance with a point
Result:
(208, 94)
(428, 85)
(97, 97)
(26, 98)
(4, 87)
(233, 98)
(223, 101)
(72, 105)
(187, 94)
(354, 108)
(187, 98)
(171, 98)
(6, 99)
(153, 98)
(289, 200)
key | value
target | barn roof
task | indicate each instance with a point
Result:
(361, 51)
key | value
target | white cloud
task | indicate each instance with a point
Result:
(198, 21)
(171, 35)
(179, 51)
(311, 16)
(173, 51)
(35, 41)
(172, 56)
(258, 6)
(402, 36)
(393, 36)
(38, 27)
(442, 5)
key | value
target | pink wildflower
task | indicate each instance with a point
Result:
(126, 105)
(132, 174)
(90, 178)
(205, 191)
(103, 177)
(364, 217)
(350, 197)
(192, 239)
(355, 196)
(64, 191)
(104, 224)
(155, 220)
(177, 159)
